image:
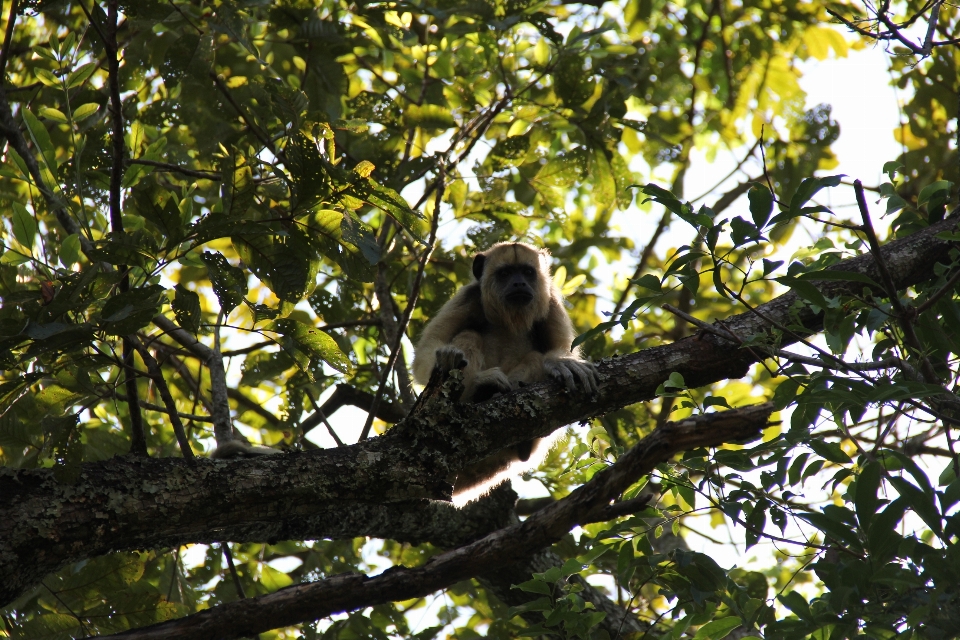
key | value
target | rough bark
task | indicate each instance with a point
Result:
(378, 487)
(588, 503)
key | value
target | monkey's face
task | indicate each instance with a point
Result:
(517, 283)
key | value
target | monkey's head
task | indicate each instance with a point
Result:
(515, 284)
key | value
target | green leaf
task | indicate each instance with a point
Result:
(229, 282)
(743, 232)
(785, 393)
(70, 250)
(534, 586)
(648, 281)
(839, 531)
(809, 188)
(931, 190)
(761, 204)
(287, 263)
(24, 225)
(867, 499)
(53, 114)
(717, 629)
(921, 502)
(122, 252)
(47, 77)
(79, 76)
(41, 138)
(316, 343)
(804, 290)
(848, 276)
(571, 567)
(797, 604)
(160, 208)
(830, 450)
(186, 308)
(127, 312)
(236, 186)
(391, 203)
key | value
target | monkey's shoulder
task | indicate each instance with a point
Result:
(468, 306)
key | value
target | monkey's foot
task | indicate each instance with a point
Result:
(241, 449)
(574, 374)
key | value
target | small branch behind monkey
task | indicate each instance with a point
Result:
(411, 304)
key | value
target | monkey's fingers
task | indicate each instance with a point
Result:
(588, 376)
(449, 358)
(560, 371)
(585, 373)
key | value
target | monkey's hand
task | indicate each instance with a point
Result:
(449, 358)
(573, 373)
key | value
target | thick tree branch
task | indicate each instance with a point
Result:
(127, 504)
(349, 592)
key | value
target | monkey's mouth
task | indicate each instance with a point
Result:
(519, 298)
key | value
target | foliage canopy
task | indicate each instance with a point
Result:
(214, 213)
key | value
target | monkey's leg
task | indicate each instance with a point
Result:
(486, 384)
(527, 371)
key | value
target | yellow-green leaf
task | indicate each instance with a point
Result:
(573, 284)
(85, 110)
(430, 116)
(78, 77)
(53, 114)
(364, 168)
(46, 77)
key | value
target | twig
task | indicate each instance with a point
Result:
(388, 319)
(261, 136)
(166, 166)
(706, 326)
(219, 400)
(7, 39)
(644, 258)
(932, 300)
(222, 424)
(881, 365)
(246, 402)
(411, 303)
(156, 407)
(323, 418)
(344, 394)
(233, 570)
(905, 320)
(156, 375)
(116, 113)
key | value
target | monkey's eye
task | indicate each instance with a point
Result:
(528, 271)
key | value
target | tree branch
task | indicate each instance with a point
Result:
(349, 592)
(272, 497)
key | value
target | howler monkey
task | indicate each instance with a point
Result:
(506, 330)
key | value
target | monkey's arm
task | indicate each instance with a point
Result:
(448, 334)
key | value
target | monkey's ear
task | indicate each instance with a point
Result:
(478, 261)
